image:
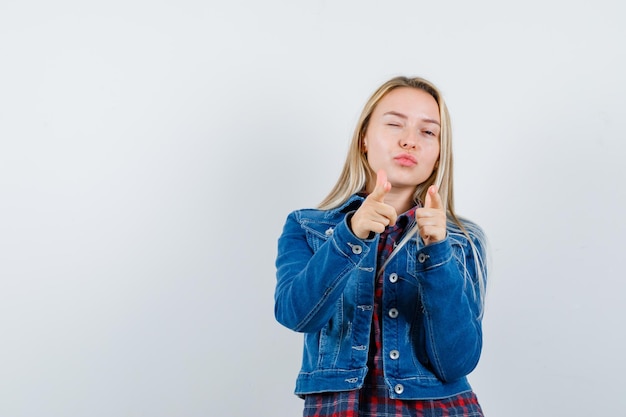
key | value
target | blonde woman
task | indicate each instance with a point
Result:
(385, 281)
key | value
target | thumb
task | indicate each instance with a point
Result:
(382, 186)
(433, 199)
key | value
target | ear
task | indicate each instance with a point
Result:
(364, 144)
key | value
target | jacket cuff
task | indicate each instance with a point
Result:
(433, 255)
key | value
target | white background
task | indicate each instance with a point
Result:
(151, 150)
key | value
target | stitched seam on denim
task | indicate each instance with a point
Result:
(429, 334)
(340, 324)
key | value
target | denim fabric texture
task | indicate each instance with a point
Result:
(432, 336)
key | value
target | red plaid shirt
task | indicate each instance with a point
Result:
(373, 399)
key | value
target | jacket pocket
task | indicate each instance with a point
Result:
(334, 337)
(422, 366)
(317, 233)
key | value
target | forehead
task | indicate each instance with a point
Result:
(412, 102)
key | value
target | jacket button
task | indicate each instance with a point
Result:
(394, 354)
(393, 313)
(399, 389)
(393, 278)
(357, 249)
(329, 231)
(421, 258)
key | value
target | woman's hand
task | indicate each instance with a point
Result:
(431, 219)
(374, 215)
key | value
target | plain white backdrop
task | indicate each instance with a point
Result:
(150, 152)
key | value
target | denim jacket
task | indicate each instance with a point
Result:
(431, 331)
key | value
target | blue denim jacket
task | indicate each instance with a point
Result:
(325, 289)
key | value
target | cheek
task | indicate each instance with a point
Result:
(373, 146)
(433, 152)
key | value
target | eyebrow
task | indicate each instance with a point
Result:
(403, 116)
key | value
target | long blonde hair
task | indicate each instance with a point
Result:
(357, 173)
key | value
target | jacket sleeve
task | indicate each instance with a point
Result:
(309, 282)
(452, 304)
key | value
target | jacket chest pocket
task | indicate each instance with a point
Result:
(460, 247)
(317, 233)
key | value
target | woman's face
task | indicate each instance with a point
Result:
(403, 137)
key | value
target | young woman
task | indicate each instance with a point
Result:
(384, 279)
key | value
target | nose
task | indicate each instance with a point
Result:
(408, 141)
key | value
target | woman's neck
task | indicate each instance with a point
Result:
(400, 198)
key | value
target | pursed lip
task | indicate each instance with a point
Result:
(405, 159)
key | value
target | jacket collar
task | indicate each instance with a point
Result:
(351, 204)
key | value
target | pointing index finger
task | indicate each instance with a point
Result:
(382, 186)
(433, 199)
